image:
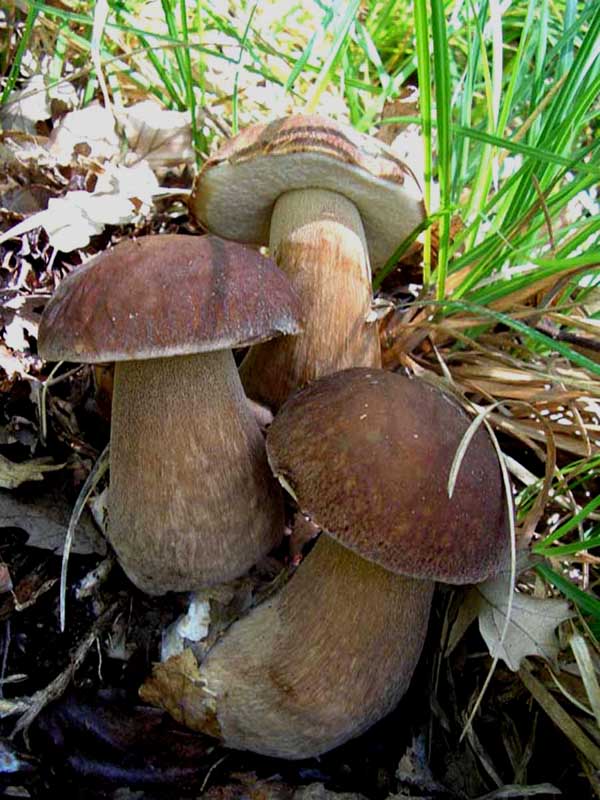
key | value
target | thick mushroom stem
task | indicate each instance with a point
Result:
(314, 666)
(318, 240)
(191, 493)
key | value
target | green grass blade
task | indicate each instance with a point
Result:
(15, 69)
(567, 527)
(587, 604)
(425, 100)
(588, 543)
(340, 41)
(441, 65)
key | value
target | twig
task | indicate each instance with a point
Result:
(58, 686)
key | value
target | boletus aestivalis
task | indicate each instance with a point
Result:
(331, 203)
(192, 501)
(367, 455)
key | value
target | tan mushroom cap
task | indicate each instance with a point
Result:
(368, 454)
(167, 295)
(234, 194)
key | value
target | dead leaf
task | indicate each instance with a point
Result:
(93, 126)
(531, 630)
(19, 321)
(177, 686)
(24, 200)
(317, 791)
(26, 107)
(10, 363)
(45, 519)
(160, 136)
(467, 614)
(13, 475)
(121, 195)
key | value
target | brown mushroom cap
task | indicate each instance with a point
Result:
(234, 193)
(167, 295)
(368, 454)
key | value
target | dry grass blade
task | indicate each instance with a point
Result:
(512, 576)
(100, 467)
(559, 716)
(525, 429)
(531, 520)
(517, 791)
(588, 674)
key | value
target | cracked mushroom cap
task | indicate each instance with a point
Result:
(167, 295)
(234, 194)
(367, 454)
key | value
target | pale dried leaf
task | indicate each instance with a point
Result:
(26, 107)
(13, 474)
(45, 519)
(160, 136)
(25, 200)
(68, 226)
(98, 506)
(10, 363)
(121, 195)
(14, 334)
(19, 320)
(64, 95)
(174, 685)
(19, 149)
(92, 127)
(532, 626)
(137, 182)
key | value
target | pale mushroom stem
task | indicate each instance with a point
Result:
(314, 666)
(318, 240)
(188, 466)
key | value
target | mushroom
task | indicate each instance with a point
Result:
(367, 455)
(329, 202)
(192, 501)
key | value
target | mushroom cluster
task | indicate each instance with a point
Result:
(367, 455)
(195, 497)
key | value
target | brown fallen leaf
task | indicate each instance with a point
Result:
(46, 518)
(174, 685)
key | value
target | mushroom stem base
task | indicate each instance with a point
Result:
(310, 668)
